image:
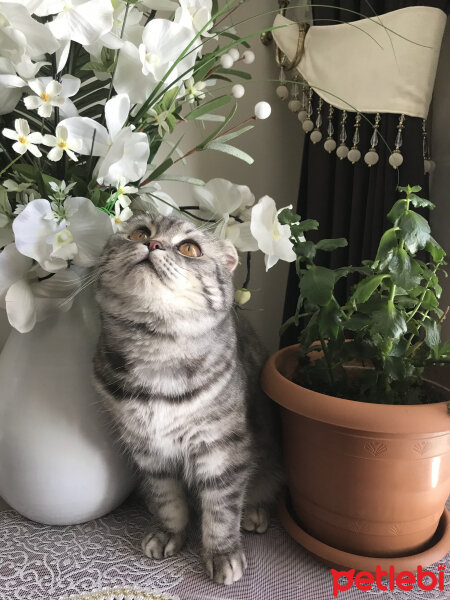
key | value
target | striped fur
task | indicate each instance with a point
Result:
(179, 370)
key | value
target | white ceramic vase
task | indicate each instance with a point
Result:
(60, 463)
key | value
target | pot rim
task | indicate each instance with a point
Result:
(351, 414)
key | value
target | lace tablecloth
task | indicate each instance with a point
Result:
(39, 562)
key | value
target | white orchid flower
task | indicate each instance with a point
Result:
(238, 233)
(61, 143)
(26, 140)
(272, 237)
(121, 215)
(26, 292)
(11, 86)
(123, 29)
(153, 198)
(140, 70)
(123, 152)
(194, 14)
(82, 21)
(40, 235)
(220, 197)
(21, 35)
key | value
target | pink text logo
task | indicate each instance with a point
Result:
(404, 580)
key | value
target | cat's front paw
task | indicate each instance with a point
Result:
(255, 518)
(162, 544)
(226, 568)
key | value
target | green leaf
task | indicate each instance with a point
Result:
(208, 107)
(444, 350)
(432, 333)
(227, 149)
(317, 285)
(217, 131)
(365, 288)
(329, 320)
(331, 244)
(235, 73)
(404, 271)
(357, 322)
(386, 247)
(182, 179)
(169, 98)
(308, 225)
(305, 249)
(429, 301)
(414, 230)
(420, 202)
(93, 66)
(232, 36)
(234, 134)
(161, 169)
(388, 321)
(436, 251)
(287, 216)
(399, 208)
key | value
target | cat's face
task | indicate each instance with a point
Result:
(165, 266)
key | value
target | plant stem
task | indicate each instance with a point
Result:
(328, 361)
(10, 164)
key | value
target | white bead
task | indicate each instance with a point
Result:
(330, 145)
(282, 92)
(371, 158)
(249, 57)
(342, 151)
(302, 116)
(262, 110)
(234, 53)
(238, 90)
(395, 159)
(429, 165)
(316, 136)
(354, 155)
(294, 105)
(226, 61)
(308, 125)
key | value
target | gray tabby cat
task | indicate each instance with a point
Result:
(179, 371)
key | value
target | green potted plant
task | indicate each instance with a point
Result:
(366, 429)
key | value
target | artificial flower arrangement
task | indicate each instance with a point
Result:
(89, 93)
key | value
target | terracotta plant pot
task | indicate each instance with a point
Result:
(364, 479)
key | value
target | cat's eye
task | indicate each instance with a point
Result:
(189, 249)
(140, 235)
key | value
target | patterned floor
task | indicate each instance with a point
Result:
(40, 562)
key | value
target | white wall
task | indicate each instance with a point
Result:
(440, 146)
(276, 146)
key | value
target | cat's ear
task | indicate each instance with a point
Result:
(230, 255)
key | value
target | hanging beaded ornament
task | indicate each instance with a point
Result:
(316, 135)
(428, 164)
(342, 150)
(396, 158)
(282, 90)
(294, 104)
(308, 125)
(354, 154)
(372, 157)
(302, 114)
(330, 143)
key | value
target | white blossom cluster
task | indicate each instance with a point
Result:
(88, 91)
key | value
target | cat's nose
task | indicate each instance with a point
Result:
(154, 245)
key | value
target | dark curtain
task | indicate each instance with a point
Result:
(348, 200)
